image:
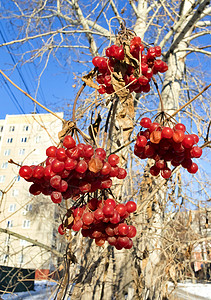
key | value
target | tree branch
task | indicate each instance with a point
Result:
(33, 242)
(190, 23)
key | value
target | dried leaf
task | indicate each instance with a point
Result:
(70, 220)
(93, 128)
(88, 79)
(67, 127)
(95, 164)
(144, 263)
(155, 137)
(129, 59)
(172, 272)
(149, 211)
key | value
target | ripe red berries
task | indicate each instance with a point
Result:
(164, 144)
(117, 56)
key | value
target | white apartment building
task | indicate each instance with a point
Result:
(24, 139)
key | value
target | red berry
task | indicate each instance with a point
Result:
(113, 160)
(56, 197)
(141, 141)
(121, 208)
(108, 210)
(122, 173)
(166, 172)
(81, 167)
(61, 154)
(51, 151)
(131, 206)
(25, 172)
(167, 132)
(188, 141)
(69, 142)
(61, 229)
(196, 152)
(154, 171)
(123, 229)
(88, 218)
(193, 168)
(157, 51)
(178, 136)
(195, 137)
(102, 89)
(180, 126)
(131, 231)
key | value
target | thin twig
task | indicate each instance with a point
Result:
(30, 97)
(76, 98)
(191, 100)
(159, 94)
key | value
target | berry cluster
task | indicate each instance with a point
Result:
(103, 221)
(72, 170)
(138, 75)
(164, 144)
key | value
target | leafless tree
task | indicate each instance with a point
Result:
(72, 32)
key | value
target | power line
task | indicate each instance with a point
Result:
(17, 68)
(13, 98)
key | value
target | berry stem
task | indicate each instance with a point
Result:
(76, 98)
(159, 94)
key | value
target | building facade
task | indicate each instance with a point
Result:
(24, 139)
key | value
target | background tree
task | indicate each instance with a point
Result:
(72, 32)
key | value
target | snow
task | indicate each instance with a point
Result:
(197, 289)
(43, 290)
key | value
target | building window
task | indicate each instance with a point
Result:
(37, 139)
(26, 224)
(28, 208)
(12, 128)
(9, 223)
(18, 177)
(21, 151)
(15, 192)
(25, 128)
(24, 140)
(7, 152)
(1, 128)
(2, 178)
(12, 207)
(4, 165)
(9, 140)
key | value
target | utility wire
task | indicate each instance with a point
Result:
(4, 40)
(13, 98)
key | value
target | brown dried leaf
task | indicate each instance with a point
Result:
(144, 263)
(155, 137)
(172, 273)
(70, 220)
(149, 211)
(88, 79)
(67, 127)
(95, 164)
(129, 59)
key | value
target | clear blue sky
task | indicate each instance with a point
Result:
(55, 90)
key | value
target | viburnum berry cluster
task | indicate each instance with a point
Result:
(135, 73)
(103, 221)
(165, 144)
(72, 170)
